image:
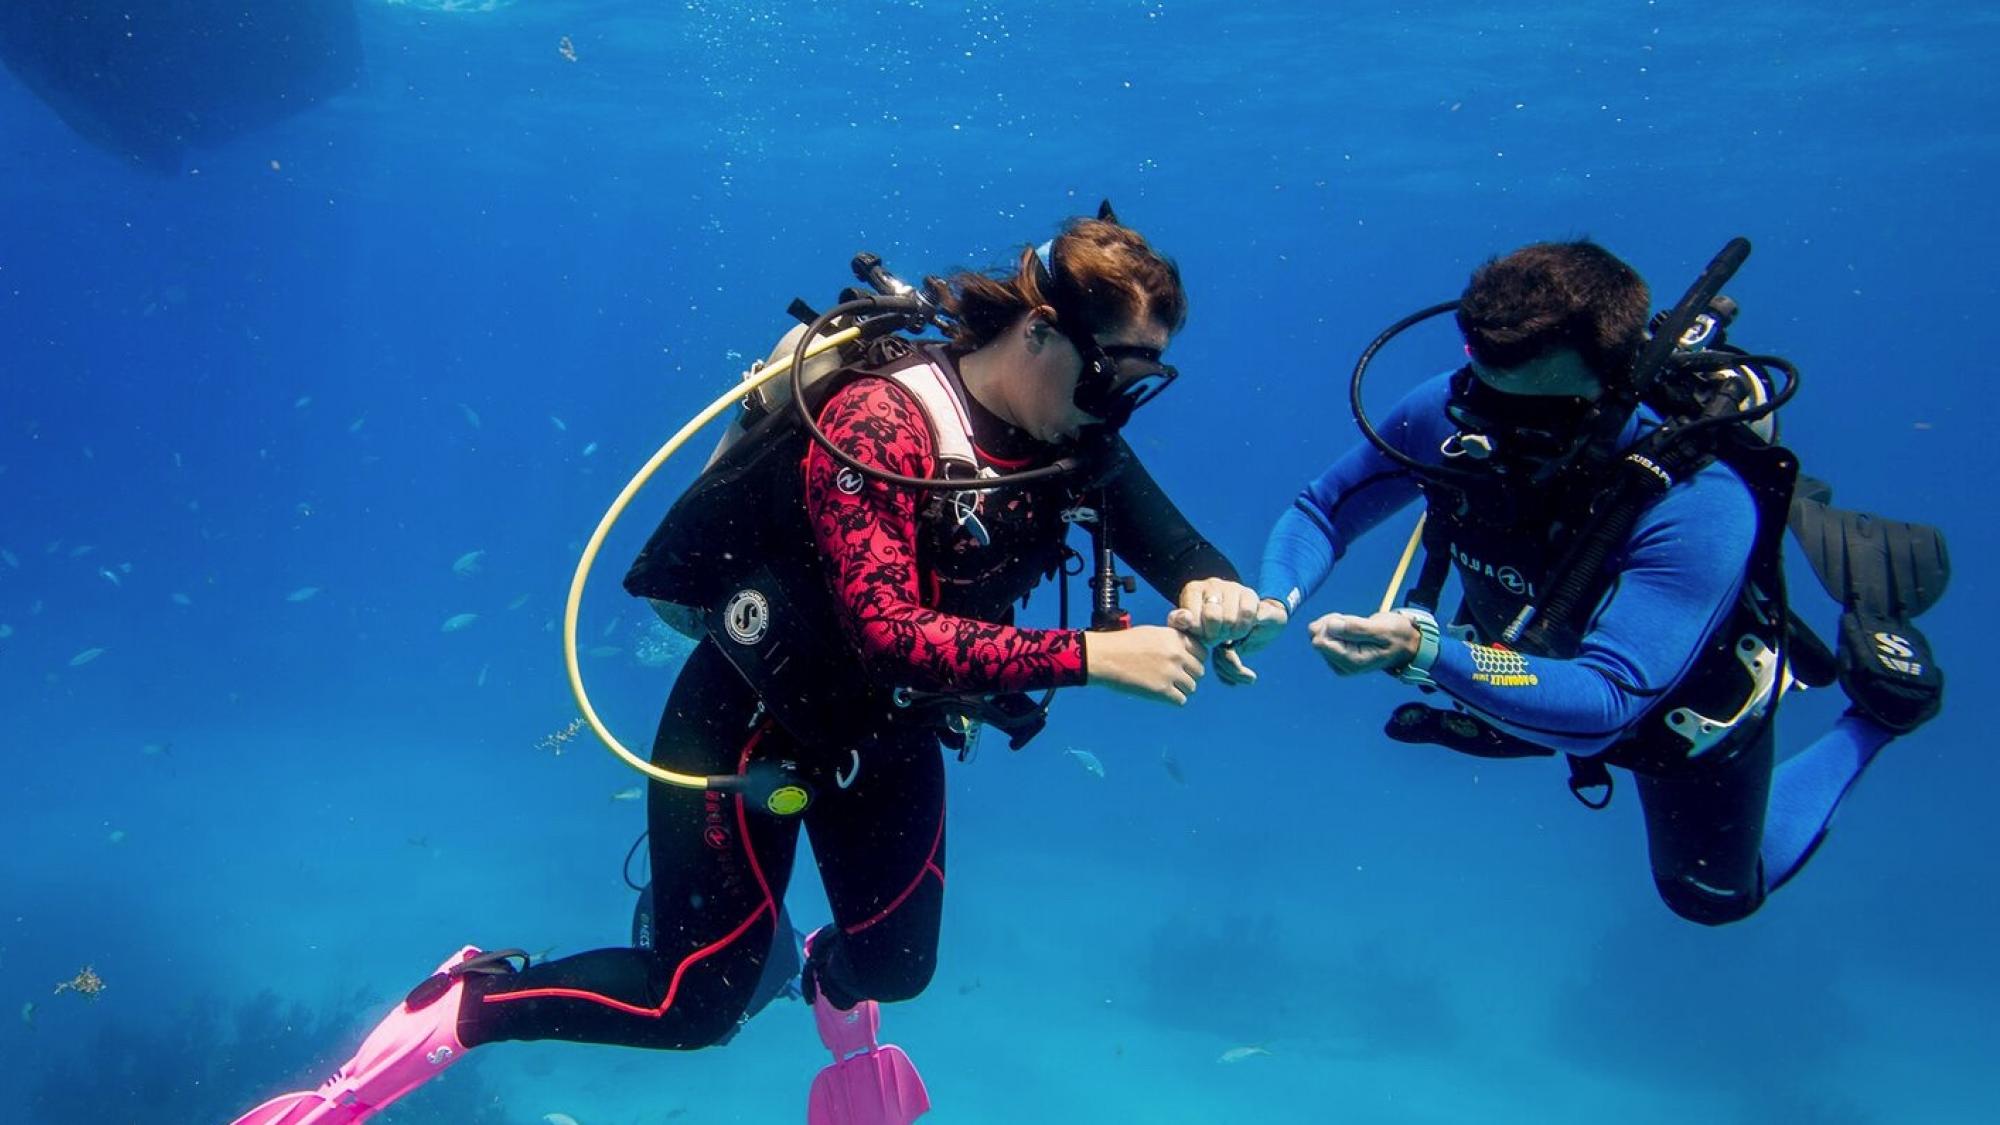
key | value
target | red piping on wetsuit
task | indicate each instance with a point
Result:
(769, 905)
(1007, 463)
(930, 867)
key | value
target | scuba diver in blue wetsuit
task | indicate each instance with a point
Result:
(1614, 503)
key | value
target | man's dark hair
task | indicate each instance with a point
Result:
(1553, 295)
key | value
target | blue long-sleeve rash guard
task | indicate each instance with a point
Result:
(1676, 578)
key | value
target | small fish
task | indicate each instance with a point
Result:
(471, 415)
(110, 575)
(124, 568)
(423, 842)
(1087, 760)
(517, 603)
(181, 599)
(631, 794)
(6, 630)
(602, 651)
(177, 459)
(560, 1118)
(28, 1012)
(481, 681)
(559, 423)
(1173, 767)
(79, 552)
(9, 558)
(1238, 1054)
(590, 449)
(85, 657)
(303, 594)
(156, 749)
(616, 620)
(354, 427)
(458, 621)
(303, 402)
(567, 50)
(468, 564)
(117, 836)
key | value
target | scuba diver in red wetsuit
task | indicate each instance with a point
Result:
(856, 567)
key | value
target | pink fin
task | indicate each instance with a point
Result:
(409, 1047)
(286, 1109)
(870, 1082)
(878, 1087)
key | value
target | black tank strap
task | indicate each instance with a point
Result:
(1436, 569)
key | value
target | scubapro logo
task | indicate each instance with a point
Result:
(747, 617)
(848, 481)
(1512, 580)
(1897, 654)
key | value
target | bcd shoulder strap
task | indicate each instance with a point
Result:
(943, 404)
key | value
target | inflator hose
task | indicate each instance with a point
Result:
(588, 559)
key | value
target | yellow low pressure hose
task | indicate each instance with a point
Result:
(1403, 567)
(714, 410)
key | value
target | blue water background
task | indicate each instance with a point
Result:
(333, 355)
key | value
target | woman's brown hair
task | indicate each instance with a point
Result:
(1107, 273)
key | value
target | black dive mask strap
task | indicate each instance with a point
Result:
(1099, 390)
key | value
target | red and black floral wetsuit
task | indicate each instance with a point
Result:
(924, 606)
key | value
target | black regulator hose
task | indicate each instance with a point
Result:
(1422, 471)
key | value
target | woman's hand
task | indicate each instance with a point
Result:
(1352, 645)
(1215, 611)
(1149, 661)
(1272, 617)
(1220, 614)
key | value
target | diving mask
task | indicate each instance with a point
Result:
(1514, 432)
(1118, 379)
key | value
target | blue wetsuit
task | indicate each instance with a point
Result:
(1675, 582)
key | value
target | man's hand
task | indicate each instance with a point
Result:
(1352, 645)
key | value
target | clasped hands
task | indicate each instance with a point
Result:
(1229, 618)
(1226, 618)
